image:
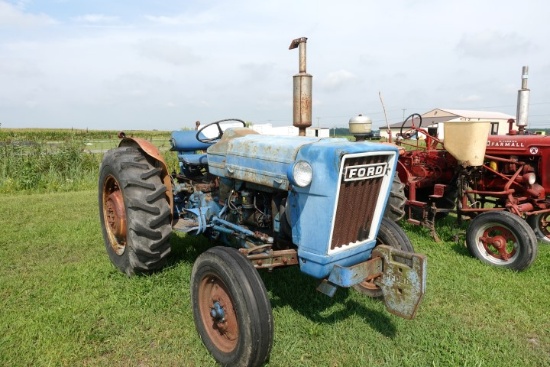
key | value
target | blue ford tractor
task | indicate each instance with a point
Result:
(269, 202)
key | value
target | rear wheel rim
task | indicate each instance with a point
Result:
(114, 214)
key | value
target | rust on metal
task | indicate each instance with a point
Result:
(302, 86)
(114, 213)
(151, 150)
(352, 226)
(271, 259)
(403, 282)
(365, 272)
(295, 42)
(224, 328)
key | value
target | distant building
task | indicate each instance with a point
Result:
(269, 129)
(437, 117)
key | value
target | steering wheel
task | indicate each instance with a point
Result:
(200, 137)
(413, 128)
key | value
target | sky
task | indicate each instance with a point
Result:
(143, 65)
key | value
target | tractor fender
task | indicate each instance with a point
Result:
(153, 152)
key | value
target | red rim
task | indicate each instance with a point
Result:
(114, 215)
(222, 331)
(543, 225)
(499, 242)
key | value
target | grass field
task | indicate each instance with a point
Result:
(54, 160)
(64, 304)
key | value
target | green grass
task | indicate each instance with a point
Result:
(54, 160)
(64, 304)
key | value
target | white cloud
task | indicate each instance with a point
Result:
(184, 19)
(470, 98)
(338, 79)
(167, 50)
(493, 44)
(12, 16)
(171, 61)
(95, 18)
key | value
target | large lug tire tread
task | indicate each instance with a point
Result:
(146, 207)
(392, 235)
(526, 246)
(249, 301)
(395, 209)
(541, 232)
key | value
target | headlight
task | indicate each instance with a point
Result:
(302, 173)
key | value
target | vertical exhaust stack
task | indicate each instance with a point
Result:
(302, 100)
(523, 101)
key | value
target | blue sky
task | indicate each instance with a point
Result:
(163, 65)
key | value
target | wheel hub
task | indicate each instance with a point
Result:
(218, 314)
(496, 243)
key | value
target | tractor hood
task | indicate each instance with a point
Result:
(243, 154)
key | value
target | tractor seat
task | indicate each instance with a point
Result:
(190, 150)
(186, 141)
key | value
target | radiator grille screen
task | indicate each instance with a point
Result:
(356, 203)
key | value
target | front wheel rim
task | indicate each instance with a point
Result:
(497, 244)
(542, 225)
(217, 313)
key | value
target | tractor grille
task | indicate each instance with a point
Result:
(356, 201)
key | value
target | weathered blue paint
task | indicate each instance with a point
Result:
(261, 159)
(268, 161)
(186, 141)
(318, 201)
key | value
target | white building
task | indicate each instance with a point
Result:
(437, 117)
(269, 129)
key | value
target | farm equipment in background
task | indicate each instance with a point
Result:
(500, 182)
(270, 202)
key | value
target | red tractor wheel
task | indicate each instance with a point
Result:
(392, 235)
(541, 226)
(231, 309)
(502, 239)
(134, 211)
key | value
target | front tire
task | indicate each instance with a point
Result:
(231, 308)
(392, 235)
(134, 211)
(540, 223)
(502, 239)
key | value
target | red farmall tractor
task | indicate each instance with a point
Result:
(498, 181)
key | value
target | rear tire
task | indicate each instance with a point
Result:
(231, 308)
(395, 208)
(502, 239)
(134, 211)
(540, 223)
(392, 235)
